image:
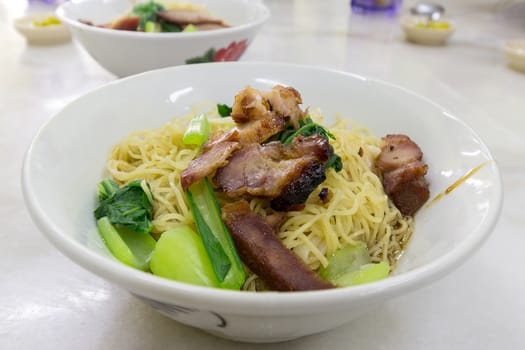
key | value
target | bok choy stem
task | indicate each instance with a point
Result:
(215, 235)
(131, 248)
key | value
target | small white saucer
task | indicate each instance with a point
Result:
(422, 35)
(515, 51)
(45, 35)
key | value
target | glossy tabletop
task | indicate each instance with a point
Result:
(48, 302)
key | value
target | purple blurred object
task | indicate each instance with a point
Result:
(50, 2)
(375, 6)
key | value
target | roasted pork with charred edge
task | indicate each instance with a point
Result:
(259, 116)
(285, 174)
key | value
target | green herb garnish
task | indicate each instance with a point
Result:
(224, 110)
(307, 127)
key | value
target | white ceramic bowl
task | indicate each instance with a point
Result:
(515, 52)
(422, 35)
(67, 157)
(124, 53)
(48, 35)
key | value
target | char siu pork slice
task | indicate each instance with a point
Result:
(126, 23)
(401, 163)
(264, 253)
(185, 17)
(208, 162)
(259, 116)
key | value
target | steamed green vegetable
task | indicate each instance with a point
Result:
(215, 236)
(124, 221)
(197, 131)
(351, 266)
(152, 27)
(169, 27)
(190, 28)
(106, 188)
(150, 22)
(129, 205)
(348, 258)
(132, 248)
(365, 274)
(147, 12)
(180, 255)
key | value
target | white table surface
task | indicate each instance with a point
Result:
(48, 302)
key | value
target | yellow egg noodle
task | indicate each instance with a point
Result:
(357, 209)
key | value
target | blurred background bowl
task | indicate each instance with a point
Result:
(64, 165)
(125, 52)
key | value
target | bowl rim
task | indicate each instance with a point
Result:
(265, 303)
(265, 14)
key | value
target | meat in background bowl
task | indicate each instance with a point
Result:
(63, 166)
(125, 53)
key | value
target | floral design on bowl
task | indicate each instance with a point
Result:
(230, 53)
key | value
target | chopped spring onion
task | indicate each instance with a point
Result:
(198, 131)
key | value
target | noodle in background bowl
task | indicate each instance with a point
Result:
(67, 157)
